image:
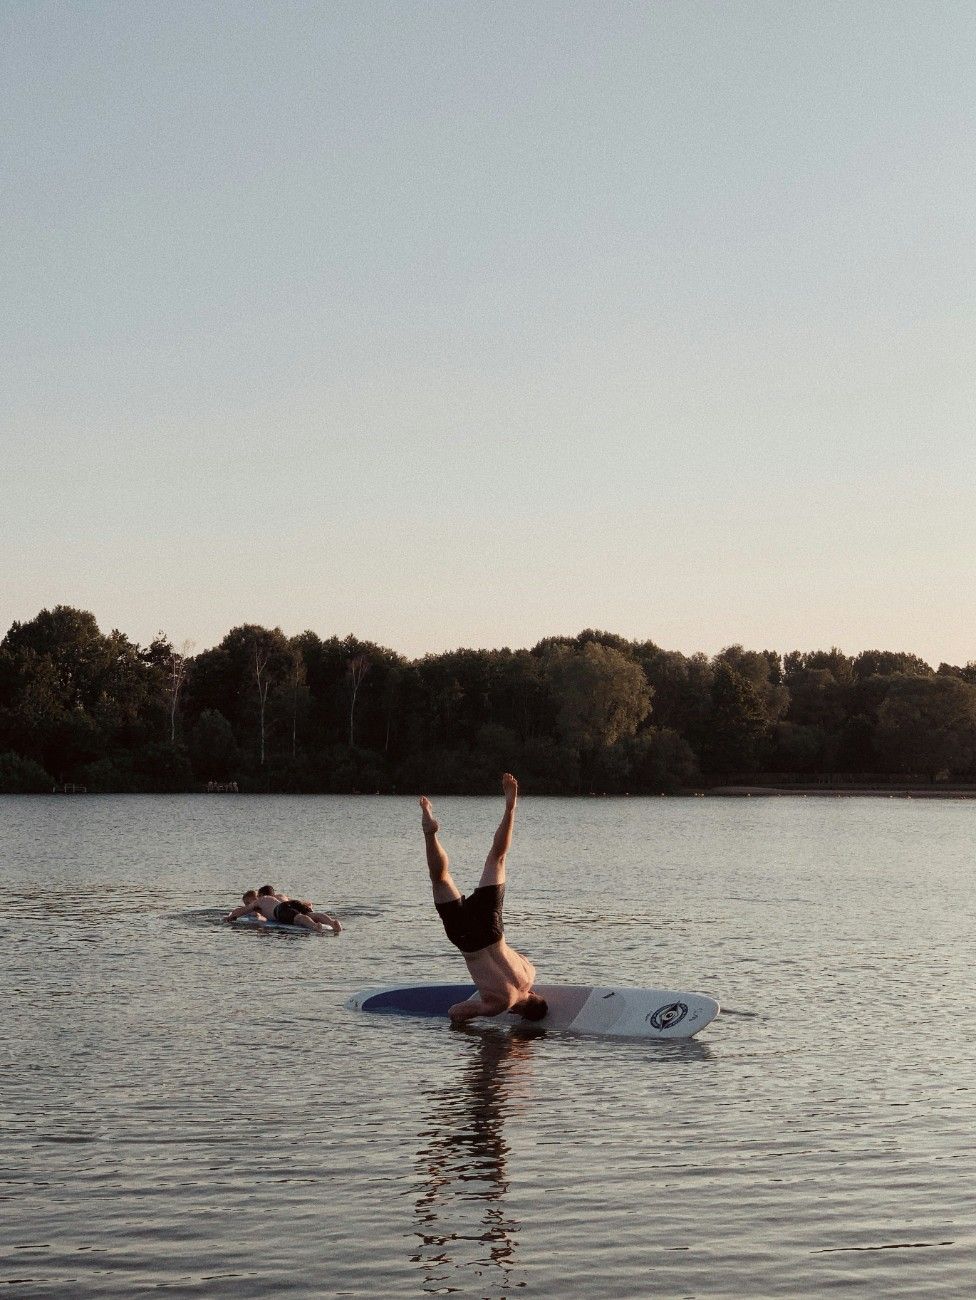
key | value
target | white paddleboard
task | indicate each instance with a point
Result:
(251, 924)
(578, 1008)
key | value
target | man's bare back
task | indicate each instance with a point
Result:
(503, 977)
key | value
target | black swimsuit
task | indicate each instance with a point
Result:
(285, 914)
(476, 922)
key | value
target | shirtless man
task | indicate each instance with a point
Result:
(504, 977)
(268, 905)
(248, 907)
(321, 918)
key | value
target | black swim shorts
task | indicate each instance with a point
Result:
(476, 922)
(285, 914)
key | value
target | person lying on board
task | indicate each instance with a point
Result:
(268, 895)
(504, 978)
(248, 900)
(266, 904)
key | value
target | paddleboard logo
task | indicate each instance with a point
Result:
(665, 1017)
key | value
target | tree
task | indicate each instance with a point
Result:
(69, 642)
(967, 673)
(928, 724)
(655, 761)
(213, 749)
(69, 694)
(737, 722)
(172, 666)
(816, 698)
(838, 664)
(882, 663)
(176, 669)
(162, 767)
(602, 695)
(681, 687)
(297, 692)
(392, 695)
(763, 672)
(22, 775)
(798, 748)
(356, 670)
(262, 679)
(236, 678)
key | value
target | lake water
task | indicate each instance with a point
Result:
(189, 1109)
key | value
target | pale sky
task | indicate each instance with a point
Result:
(465, 324)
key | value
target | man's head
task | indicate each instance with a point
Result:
(531, 1007)
(265, 890)
(249, 896)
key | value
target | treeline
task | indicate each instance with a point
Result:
(593, 712)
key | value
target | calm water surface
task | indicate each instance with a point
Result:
(190, 1109)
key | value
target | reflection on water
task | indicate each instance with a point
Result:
(463, 1222)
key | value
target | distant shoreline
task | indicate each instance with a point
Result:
(842, 792)
(692, 792)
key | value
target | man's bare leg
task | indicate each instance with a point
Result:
(494, 869)
(445, 890)
(307, 923)
(326, 918)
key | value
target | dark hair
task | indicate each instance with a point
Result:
(534, 1008)
(265, 890)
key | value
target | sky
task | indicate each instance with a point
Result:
(466, 324)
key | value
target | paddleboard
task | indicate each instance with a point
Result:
(578, 1008)
(251, 924)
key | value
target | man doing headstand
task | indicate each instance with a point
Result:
(504, 978)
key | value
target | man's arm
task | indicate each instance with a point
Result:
(483, 1005)
(237, 912)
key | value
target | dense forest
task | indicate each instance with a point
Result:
(593, 712)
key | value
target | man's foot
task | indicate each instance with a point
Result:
(510, 787)
(427, 820)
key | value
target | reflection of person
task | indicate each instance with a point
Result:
(462, 1162)
(504, 978)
